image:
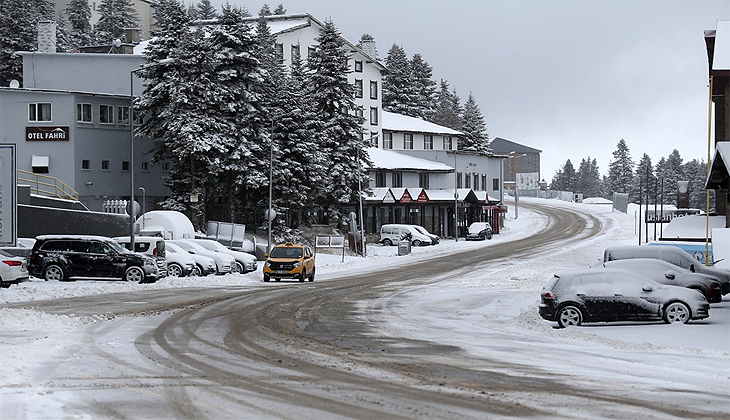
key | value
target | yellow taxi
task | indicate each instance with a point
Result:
(290, 261)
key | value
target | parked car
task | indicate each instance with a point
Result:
(479, 231)
(201, 265)
(391, 234)
(224, 262)
(13, 269)
(290, 260)
(150, 245)
(22, 247)
(670, 254)
(435, 239)
(64, 257)
(245, 263)
(590, 295)
(665, 273)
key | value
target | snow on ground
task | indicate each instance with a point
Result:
(489, 312)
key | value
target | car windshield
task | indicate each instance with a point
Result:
(422, 230)
(286, 252)
(477, 227)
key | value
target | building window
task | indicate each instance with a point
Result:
(373, 89)
(484, 182)
(458, 180)
(295, 53)
(39, 112)
(476, 182)
(358, 88)
(447, 142)
(427, 142)
(106, 114)
(104, 165)
(379, 179)
(373, 115)
(310, 51)
(123, 115)
(145, 166)
(373, 139)
(165, 166)
(358, 66)
(467, 181)
(83, 113)
(397, 179)
(495, 184)
(408, 141)
(279, 49)
(125, 165)
(86, 165)
(423, 180)
(387, 140)
(360, 112)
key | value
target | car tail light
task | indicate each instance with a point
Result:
(547, 295)
(13, 263)
(154, 251)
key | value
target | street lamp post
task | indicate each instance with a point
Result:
(144, 204)
(456, 202)
(131, 157)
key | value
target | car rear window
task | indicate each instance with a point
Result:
(55, 246)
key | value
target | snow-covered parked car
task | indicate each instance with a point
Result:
(12, 269)
(479, 231)
(225, 263)
(202, 265)
(244, 262)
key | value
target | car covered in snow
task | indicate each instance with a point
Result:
(13, 269)
(666, 273)
(201, 265)
(245, 263)
(479, 231)
(601, 295)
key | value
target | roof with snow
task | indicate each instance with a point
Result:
(390, 160)
(397, 122)
(721, 56)
(719, 171)
(503, 146)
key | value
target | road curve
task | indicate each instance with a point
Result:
(300, 351)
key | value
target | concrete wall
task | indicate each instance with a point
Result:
(34, 221)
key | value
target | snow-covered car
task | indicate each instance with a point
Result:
(435, 239)
(391, 234)
(479, 231)
(224, 263)
(671, 254)
(202, 265)
(589, 295)
(245, 262)
(12, 269)
(666, 273)
(153, 246)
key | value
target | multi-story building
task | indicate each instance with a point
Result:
(518, 159)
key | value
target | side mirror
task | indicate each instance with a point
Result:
(266, 255)
(648, 288)
(670, 275)
(191, 251)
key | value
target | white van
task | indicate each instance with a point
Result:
(392, 234)
(671, 254)
(153, 246)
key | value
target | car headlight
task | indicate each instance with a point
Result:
(297, 264)
(150, 261)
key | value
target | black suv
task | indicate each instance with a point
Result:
(61, 257)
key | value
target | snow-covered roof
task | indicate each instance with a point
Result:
(721, 55)
(397, 122)
(484, 196)
(691, 227)
(717, 178)
(388, 159)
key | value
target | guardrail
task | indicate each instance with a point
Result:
(47, 185)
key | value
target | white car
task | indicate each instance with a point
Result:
(225, 263)
(12, 269)
(202, 265)
(245, 262)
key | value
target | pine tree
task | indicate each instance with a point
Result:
(424, 87)
(18, 32)
(695, 171)
(475, 136)
(669, 172)
(589, 178)
(204, 10)
(280, 10)
(398, 93)
(620, 170)
(79, 17)
(564, 178)
(448, 108)
(334, 104)
(643, 179)
(115, 17)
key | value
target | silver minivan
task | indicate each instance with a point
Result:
(391, 234)
(670, 254)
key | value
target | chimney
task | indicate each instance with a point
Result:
(46, 36)
(132, 35)
(368, 46)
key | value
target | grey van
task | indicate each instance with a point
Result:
(670, 254)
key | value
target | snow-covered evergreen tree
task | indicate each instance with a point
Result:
(448, 109)
(18, 32)
(643, 182)
(475, 136)
(398, 88)
(205, 10)
(669, 171)
(333, 99)
(564, 178)
(115, 17)
(79, 17)
(280, 10)
(620, 170)
(695, 171)
(423, 86)
(589, 178)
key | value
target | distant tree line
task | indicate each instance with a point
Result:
(640, 180)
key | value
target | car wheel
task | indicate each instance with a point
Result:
(174, 270)
(239, 268)
(676, 312)
(311, 276)
(134, 274)
(303, 275)
(489, 236)
(416, 243)
(266, 278)
(197, 270)
(53, 272)
(387, 242)
(569, 316)
(3, 284)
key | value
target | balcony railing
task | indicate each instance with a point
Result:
(47, 186)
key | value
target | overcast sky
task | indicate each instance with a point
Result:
(570, 77)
